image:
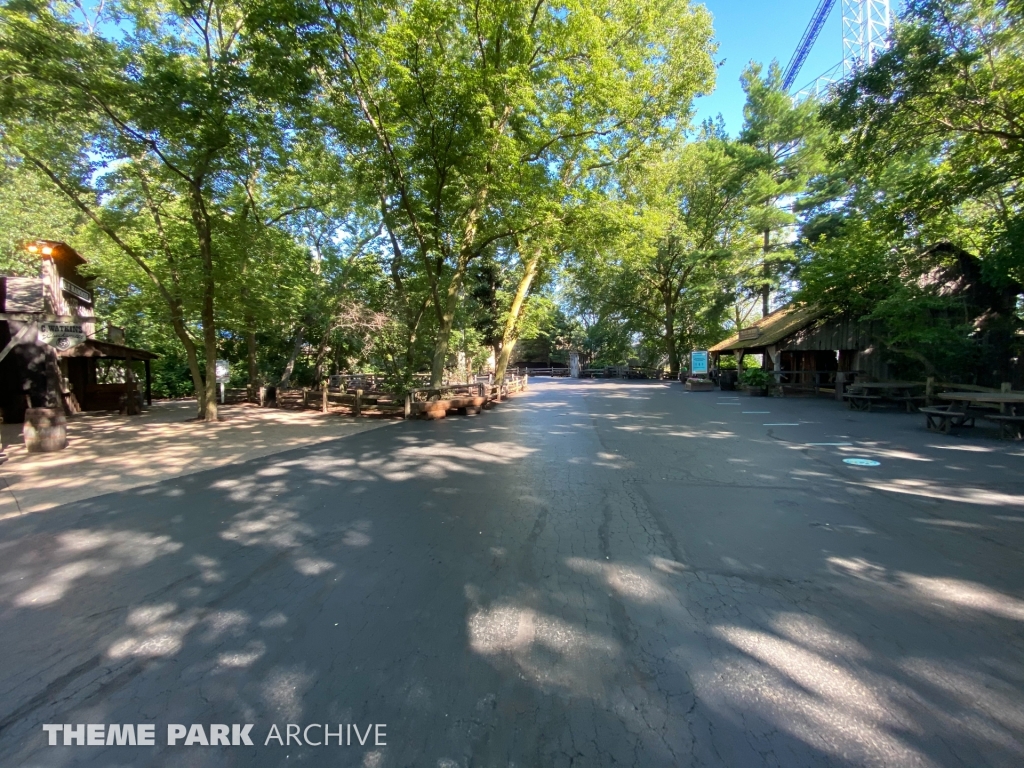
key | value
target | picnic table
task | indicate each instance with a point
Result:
(861, 395)
(1010, 417)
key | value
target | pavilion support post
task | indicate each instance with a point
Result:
(149, 384)
(130, 407)
(929, 390)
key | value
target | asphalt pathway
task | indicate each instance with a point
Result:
(593, 574)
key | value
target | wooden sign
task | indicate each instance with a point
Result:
(749, 333)
(79, 293)
(61, 336)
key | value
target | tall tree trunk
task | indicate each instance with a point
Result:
(511, 331)
(290, 365)
(670, 347)
(321, 353)
(413, 331)
(445, 322)
(446, 313)
(444, 332)
(208, 409)
(668, 296)
(766, 273)
(191, 355)
(250, 357)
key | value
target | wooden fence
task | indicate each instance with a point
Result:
(622, 372)
(428, 402)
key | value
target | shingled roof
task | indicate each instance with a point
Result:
(771, 329)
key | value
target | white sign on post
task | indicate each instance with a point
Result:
(61, 336)
(223, 375)
(223, 372)
(698, 362)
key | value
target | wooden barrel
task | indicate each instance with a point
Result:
(46, 430)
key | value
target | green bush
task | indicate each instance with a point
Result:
(755, 377)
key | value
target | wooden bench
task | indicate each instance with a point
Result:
(909, 401)
(859, 402)
(1010, 427)
(940, 418)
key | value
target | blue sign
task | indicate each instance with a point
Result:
(699, 362)
(862, 462)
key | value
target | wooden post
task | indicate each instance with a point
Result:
(130, 406)
(305, 397)
(149, 385)
(1006, 386)
(357, 406)
(324, 406)
(261, 396)
(408, 406)
(929, 390)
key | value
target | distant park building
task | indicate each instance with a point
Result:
(809, 347)
(50, 353)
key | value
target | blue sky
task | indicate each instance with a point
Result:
(763, 31)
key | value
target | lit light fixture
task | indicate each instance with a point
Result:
(47, 250)
(33, 249)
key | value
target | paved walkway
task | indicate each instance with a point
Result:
(593, 574)
(108, 453)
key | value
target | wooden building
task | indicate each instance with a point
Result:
(808, 348)
(969, 314)
(50, 350)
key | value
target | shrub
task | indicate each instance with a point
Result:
(756, 377)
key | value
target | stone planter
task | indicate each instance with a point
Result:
(756, 391)
(46, 430)
(700, 385)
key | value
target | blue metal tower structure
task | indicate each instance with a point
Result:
(865, 29)
(807, 42)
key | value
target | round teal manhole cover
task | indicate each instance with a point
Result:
(862, 462)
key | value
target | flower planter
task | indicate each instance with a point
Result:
(700, 385)
(756, 391)
(45, 431)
